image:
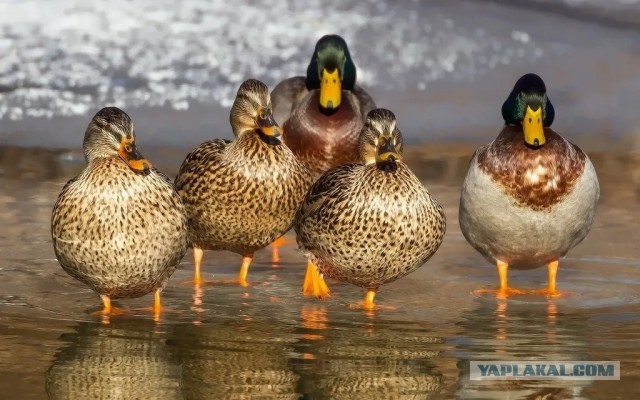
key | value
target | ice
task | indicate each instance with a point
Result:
(67, 57)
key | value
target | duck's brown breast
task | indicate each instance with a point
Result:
(324, 141)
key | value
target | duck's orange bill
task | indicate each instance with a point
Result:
(130, 154)
(267, 124)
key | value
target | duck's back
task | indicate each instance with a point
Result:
(369, 226)
(120, 232)
(242, 195)
(286, 96)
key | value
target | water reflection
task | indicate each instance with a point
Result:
(126, 359)
(512, 330)
(265, 341)
(237, 357)
(366, 358)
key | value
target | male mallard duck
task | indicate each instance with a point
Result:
(372, 222)
(322, 114)
(529, 196)
(242, 195)
(118, 227)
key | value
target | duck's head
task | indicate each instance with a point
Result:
(528, 106)
(380, 139)
(251, 112)
(331, 70)
(111, 133)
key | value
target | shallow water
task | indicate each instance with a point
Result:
(443, 66)
(266, 341)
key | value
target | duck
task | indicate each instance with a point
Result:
(120, 226)
(531, 195)
(323, 112)
(241, 195)
(370, 222)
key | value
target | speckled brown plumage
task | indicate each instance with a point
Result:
(242, 195)
(557, 166)
(372, 222)
(119, 231)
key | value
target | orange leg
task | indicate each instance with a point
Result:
(107, 309)
(503, 269)
(551, 290)
(504, 291)
(198, 254)
(106, 301)
(275, 249)
(157, 308)
(369, 303)
(314, 284)
(369, 297)
(244, 269)
(552, 269)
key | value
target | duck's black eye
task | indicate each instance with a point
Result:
(127, 147)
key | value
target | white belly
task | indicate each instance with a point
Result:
(502, 230)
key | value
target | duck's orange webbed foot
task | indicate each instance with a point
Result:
(314, 284)
(369, 304)
(501, 293)
(504, 291)
(156, 310)
(108, 309)
(554, 294)
(551, 291)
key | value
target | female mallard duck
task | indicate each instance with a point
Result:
(529, 196)
(372, 222)
(118, 227)
(322, 114)
(242, 195)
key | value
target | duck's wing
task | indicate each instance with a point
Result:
(364, 99)
(201, 159)
(286, 96)
(327, 188)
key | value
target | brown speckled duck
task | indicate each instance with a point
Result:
(242, 195)
(371, 222)
(322, 114)
(531, 195)
(118, 227)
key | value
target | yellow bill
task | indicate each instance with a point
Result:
(330, 89)
(532, 126)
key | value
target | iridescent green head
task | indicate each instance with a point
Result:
(528, 106)
(331, 70)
